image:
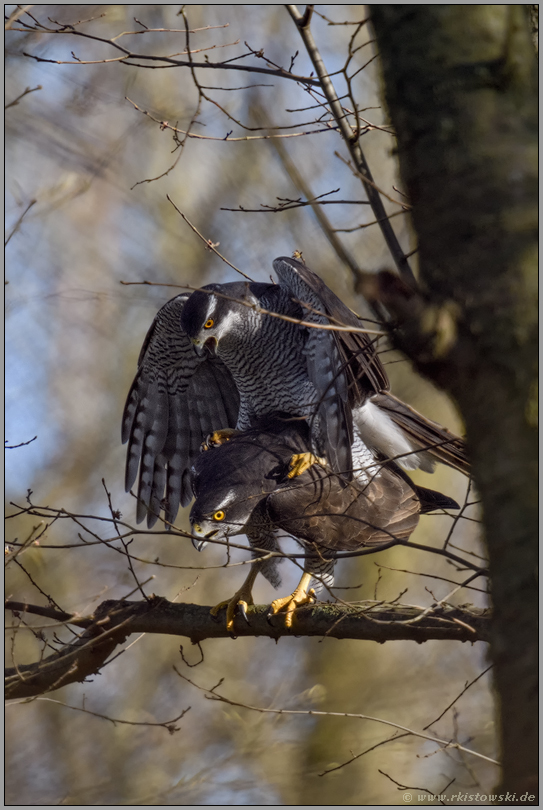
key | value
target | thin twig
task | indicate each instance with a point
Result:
(168, 61)
(21, 444)
(208, 243)
(167, 724)
(23, 94)
(212, 695)
(353, 145)
(14, 16)
(464, 690)
(393, 738)
(226, 138)
(19, 221)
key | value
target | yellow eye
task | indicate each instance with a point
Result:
(209, 323)
(218, 515)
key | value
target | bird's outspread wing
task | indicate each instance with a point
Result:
(325, 365)
(385, 423)
(360, 361)
(176, 399)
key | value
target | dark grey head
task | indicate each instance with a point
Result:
(223, 512)
(230, 481)
(207, 318)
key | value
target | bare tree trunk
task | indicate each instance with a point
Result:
(460, 84)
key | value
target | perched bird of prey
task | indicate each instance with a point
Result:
(243, 487)
(231, 353)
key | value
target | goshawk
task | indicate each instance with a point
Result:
(232, 353)
(243, 487)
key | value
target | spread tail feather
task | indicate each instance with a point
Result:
(398, 431)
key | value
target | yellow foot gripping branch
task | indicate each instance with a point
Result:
(301, 596)
(242, 599)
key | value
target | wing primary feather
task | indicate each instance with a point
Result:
(366, 373)
(162, 425)
(157, 491)
(325, 367)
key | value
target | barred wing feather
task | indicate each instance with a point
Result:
(176, 399)
(324, 364)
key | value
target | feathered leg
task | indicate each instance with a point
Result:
(262, 537)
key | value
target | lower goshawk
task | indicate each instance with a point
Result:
(243, 487)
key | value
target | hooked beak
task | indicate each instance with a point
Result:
(208, 346)
(200, 544)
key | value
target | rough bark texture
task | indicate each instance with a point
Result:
(113, 621)
(460, 84)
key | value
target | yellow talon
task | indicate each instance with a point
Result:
(242, 599)
(217, 438)
(301, 596)
(300, 462)
(231, 605)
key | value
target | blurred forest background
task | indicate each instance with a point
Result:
(79, 161)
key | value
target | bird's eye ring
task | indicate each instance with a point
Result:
(209, 323)
(218, 515)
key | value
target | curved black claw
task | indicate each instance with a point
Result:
(217, 438)
(242, 607)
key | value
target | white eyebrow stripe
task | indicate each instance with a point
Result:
(226, 323)
(212, 306)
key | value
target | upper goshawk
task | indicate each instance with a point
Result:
(230, 353)
(243, 487)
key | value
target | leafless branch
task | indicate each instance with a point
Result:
(444, 744)
(457, 698)
(169, 725)
(14, 16)
(354, 757)
(22, 95)
(357, 173)
(418, 789)
(149, 61)
(19, 221)
(345, 22)
(301, 184)
(208, 243)
(430, 576)
(286, 204)
(53, 514)
(351, 140)
(113, 621)
(368, 224)
(197, 136)
(115, 516)
(21, 444)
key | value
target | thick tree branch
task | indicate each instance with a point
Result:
(114, 621)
